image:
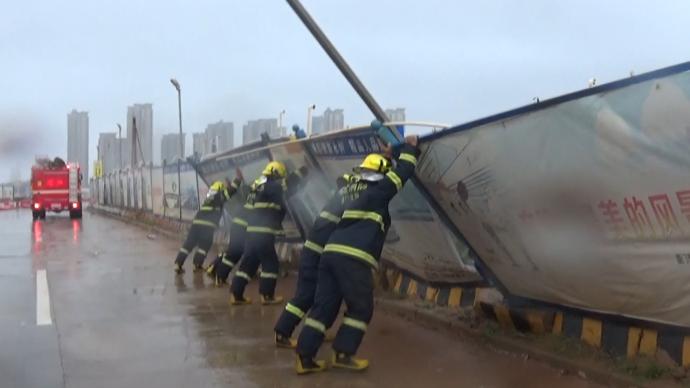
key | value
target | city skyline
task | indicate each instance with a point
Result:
(488, 63)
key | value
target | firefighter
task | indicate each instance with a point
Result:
(226, 261)
(204, 225)
(352, 251)
(308, 267)
(265, 218)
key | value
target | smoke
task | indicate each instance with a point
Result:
(20, 141)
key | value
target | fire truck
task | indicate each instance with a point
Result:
(56, 187)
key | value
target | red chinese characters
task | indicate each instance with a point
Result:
(663, 211)
(639, 219)
(613, 219)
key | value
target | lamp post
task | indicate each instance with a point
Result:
(310, 109)
(280, 122)
(179, 110)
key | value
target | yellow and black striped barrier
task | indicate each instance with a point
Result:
(615, 337)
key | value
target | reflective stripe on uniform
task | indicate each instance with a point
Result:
(239, 221)
(207, 208)
(313, 246)
(314, 324)
(291, 308)
(204, 223)
(227, 262)
(364, 215)
(329, 216)
(243, 275)
(248, 206)
(361, 325)
(203, 252)
(226, 194)
(408, 158)
(263, 229)
(186, 252)
(395, 178)
(269, 275)
(266, 205)
(354, 252)
(233, 185)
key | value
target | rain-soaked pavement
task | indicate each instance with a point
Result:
(120, 318)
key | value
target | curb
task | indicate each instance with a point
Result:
(615, 338)
(455, 326)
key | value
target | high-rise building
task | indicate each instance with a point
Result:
(317, 125)
(331, 120)
(78, 140)
(254, 128)
(334, 119)
(141, 147)
(220, 136)
(108, 152)
(199, 144)
(170, 147)
(397, 114)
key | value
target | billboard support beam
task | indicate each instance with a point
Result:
(338, 60)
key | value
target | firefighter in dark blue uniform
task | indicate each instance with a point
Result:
(345, 270)
(222, 267)
(265, 218)
(204, 225)
(298, 306)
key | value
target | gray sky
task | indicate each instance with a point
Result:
(445, 61)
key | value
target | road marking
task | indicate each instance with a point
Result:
(42, 299)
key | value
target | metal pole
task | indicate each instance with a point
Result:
(165, 204)
(310, 108)
(338, 60)
(179, 179)
(198, 197)
(119, 143)
(280, 122)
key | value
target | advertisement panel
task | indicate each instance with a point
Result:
(157, 190)
(188, 190)
(583, 200)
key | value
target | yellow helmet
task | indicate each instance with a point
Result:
(217, 186)
(376, 163)
(275, 168)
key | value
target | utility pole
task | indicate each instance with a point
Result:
(179, 110)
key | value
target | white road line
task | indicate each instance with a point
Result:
(42, 299)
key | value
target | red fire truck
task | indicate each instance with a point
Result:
(55, 186)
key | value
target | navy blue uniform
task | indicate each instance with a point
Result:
(307, 277)
(227, 260)
(265, 219)
(204, 225)
(352, 251)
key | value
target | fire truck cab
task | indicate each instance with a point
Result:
(55, 186)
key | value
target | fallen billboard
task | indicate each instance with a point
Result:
(583, 200)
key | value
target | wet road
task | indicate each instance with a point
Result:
(119, 318)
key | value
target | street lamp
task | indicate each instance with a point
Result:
(280, 122)
(119, 143)
(310, 109)
(179, 110)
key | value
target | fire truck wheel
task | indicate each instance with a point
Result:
(34, 215)
(42, 215)
(75, 214)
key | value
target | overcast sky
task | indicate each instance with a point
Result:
(445, 61)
